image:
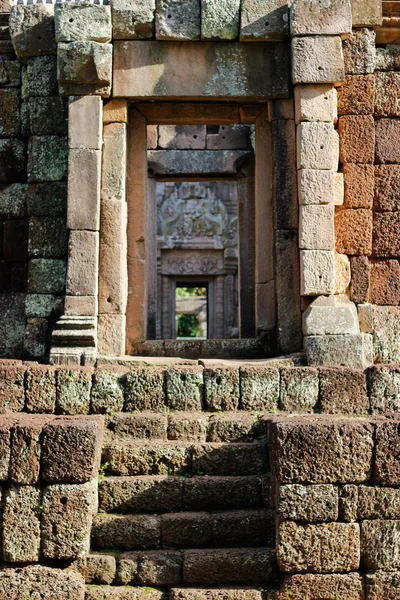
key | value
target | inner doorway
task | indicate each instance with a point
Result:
(191, 311)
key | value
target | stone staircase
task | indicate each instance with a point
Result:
(184, 507)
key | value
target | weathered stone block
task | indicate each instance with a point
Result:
(41, 77)
(320, 19)
(28, 581)
(84, 189)
(387, 93)
(111, 335)
(10, 121)
(387, 463)
(107, 394)
(221, 387)
(315, 103)
(160, 568)
(113, 284)
(73, 391)
(13, 201)
(143, 458)
(229, 459)
(128, 567)
(222, 493)
(360, 270)
(382, 585)
(366, 14)
(387, 58)
(264, 20)
(379, 544)
(317, 272)
(84, 68)
(331, 315)
(40, 389)
(387, 188)
(385, 283)
(213, 594)
(12, 160)
(232, 70)
(107, 592)
(133, 20)
(317, 60)
(357, 139)
(353, 351)
(71, 448)
(185, 388)
(385, 238)
(32, 30)
(318, 548)
(316, 227)
(145, 389)
(48, 237)
(48, 116)
(220, 20)
(178, 20)
(187, 530)
(317, 146)
(311, 503)
(182, 137)
(10, 72)
(284, 177)
(12, 307)
(358, 186)
(343, 391)
(319, 187)
(66, 520)
(98, 568)
(378, 503)
(82, 22)
(154, 494)
(259, 388)
(116, 111)
(308, 587)
(26, 451)
(384, 389)
(321, 450)
(357, 95)
(126, 532)
(47, 158)
(298, 389)
(47, 199)
(342, 273)
(85, 120)
(21, 524)
(387, 141)
(359, 52)
(12, 394)
(82, 271)
(46, 275)
(234, 427)
(353, 230)
(36, 339)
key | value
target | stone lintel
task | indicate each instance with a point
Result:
(171, 162)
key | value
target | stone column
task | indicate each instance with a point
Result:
(74, 340)
(330, 325)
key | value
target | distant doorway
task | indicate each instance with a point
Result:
(191, 311)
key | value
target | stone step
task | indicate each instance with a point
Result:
(225, 529)
(108, 592)
(163, 494)
(238, 426)
(178, 458)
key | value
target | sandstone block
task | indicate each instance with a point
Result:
(36, 336)
(178, 20)
(320, 19)
(342, 273)
(366, 14)
(185, 388)
(317, 272)
(280, 109)
(221, 387)
(387, 59)
(113, 284)
(354, 231)
(385, 389)
(385, 283)
(154, 494)
(32, 30)
(84, 189)
(382, 585)
(330, 547)
(80, 306)
(115, 111)
(111, 335)
(180, 137)
(315, 103)
(359, 52)
(317, 146)
(145, 389)
(357, 95)
(40, 389)
(216, 567)
(309, 587)
(387, 141)
(317, 450)
(267, 20)
(343, 391)
(332, 315)
(41, 77)
(114, 157)
(48, 238)
(220, 20)
(317, 60)
(84, 68)
(387, 92)
(82, 271)
(82, 22)
(385, 238)
(316, 227)
(47, 158)
(125, 531)
(133, 20)
(48, 116)
(357, 139)
(222, 493)
(284, 177)
(12, 160)
(311, 503)
(85, 120)
(387, 188)
(71, 448)
(46, 275)
(379, 544)
(21, 524)
(47, 199)
(73, 391)
(10, 121)
(353, 351)
(298, 389)
(358, 186)
(229, 459)
(66, 520)
(259, 388)
(319, 187)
